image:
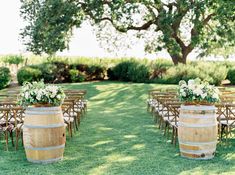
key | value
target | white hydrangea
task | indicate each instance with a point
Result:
(26, 95)
(215, 96)
(198, 91)
(204, 95)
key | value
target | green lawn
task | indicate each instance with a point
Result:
(118, 136)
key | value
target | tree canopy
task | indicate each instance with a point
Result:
(180, 25)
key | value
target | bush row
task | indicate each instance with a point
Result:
(5, 77)
(133, 70)
(163, 71)
(60, 72)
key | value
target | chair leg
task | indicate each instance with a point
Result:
(172, 136)
(12, 140)
(76, 123)
(6, 138)
(17, 140)
(22, 138)
(176, 135)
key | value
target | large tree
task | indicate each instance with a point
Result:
(181, 25)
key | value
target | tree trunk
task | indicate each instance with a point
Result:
(179, 59)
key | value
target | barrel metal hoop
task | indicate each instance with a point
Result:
(45, 148)
(197, 108)
(55, 108)
(30, 113)
(197, 126)
(198, 158)
(197, 143)
(45, 161)
(44, 126)
(199, 152)
(184, 115)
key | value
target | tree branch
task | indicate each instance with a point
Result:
(145, 26)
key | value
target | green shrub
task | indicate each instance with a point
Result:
(76, 76)
(5, 77)
(132, 70)
(28, 74)
(160, 67)
(61, 72)
(95, 72)
(110, 74)
(138, 73)
(213, 73)
(80, 67)
(120, 71)
(231, 75)
(48, 71)
(14, 59)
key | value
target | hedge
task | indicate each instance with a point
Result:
(5, 77)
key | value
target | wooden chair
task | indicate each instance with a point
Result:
(68, 118)
(5, 126)
(18, 114)
(228, 124)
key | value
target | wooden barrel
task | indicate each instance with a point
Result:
(197, 131)
(44, 134)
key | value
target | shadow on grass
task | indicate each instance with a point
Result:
(118, 136)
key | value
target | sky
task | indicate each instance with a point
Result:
(83, 41)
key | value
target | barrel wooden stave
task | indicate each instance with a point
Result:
(44, 134)
(197, 132)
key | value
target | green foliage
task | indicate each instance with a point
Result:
(120, 71)
(110, 74)
(138, 73)
(231, 75)
(76, 76)
(13, 59)
(43, 16)
(95, 72)
(131, 70)
(28, 74)
(5, 77)
(50, 23)
(211, 72)
(48, 71)
(159, 67)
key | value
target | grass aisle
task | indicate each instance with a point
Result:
(118, 136)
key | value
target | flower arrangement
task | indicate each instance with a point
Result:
(198, 92)
(40, 94)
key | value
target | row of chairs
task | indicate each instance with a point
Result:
(165, 108)
(12, 115)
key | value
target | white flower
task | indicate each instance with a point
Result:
(26, 95)
(59, 97)
(182, 82)
(191, 82)
(215, 96)
(183, 86)
(198, 91)
(203, 95)
(183, 94)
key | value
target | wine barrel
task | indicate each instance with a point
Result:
(197, 131)
(44, 134)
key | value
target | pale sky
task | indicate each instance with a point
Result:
(83, 42)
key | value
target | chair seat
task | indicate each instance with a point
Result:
(20, 126)
(9, 127)
(170, 118)
(228, 122)
(69, 119)
(174, 124)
